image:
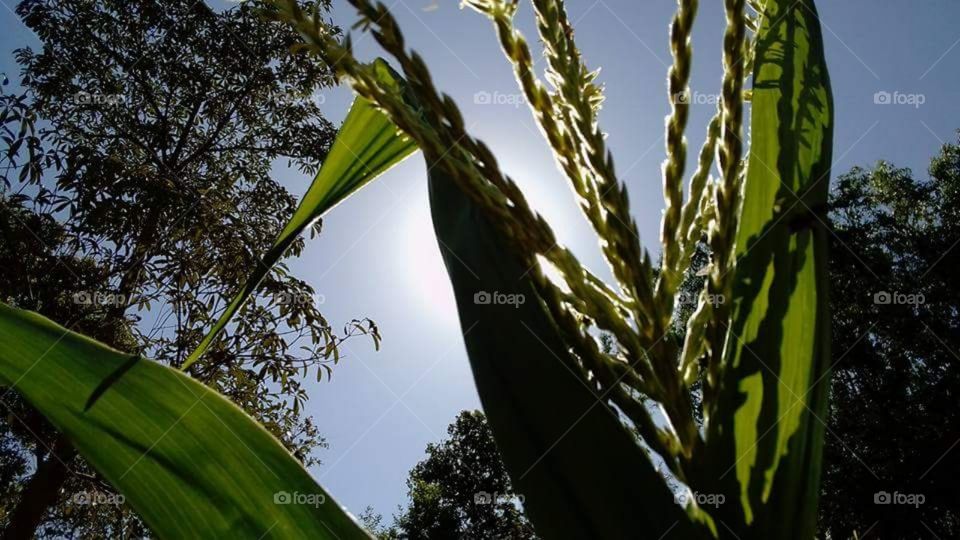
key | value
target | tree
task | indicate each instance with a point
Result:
(461, 490)
(34, 275)
(137, 191)
(891, 461)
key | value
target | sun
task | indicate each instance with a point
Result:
(423, 265)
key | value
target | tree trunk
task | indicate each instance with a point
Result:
(42, 491)
(45, 486)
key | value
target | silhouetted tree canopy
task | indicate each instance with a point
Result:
(137, 192)
(894, 423)
(460, 491)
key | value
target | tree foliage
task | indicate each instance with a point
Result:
(896, 335)
(461, 490)
(138, 188)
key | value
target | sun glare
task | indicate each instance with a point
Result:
(423, 264)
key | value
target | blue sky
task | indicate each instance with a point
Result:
(377, 256)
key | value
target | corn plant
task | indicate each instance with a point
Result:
(572, 418)
(758, 338)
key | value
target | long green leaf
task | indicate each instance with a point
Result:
(367, 145)
(766, 435)
(192, 464)
(582, 475)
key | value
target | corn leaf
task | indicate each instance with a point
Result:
(192, 464)
(367, 145)
(581, 474)
(765, 436)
